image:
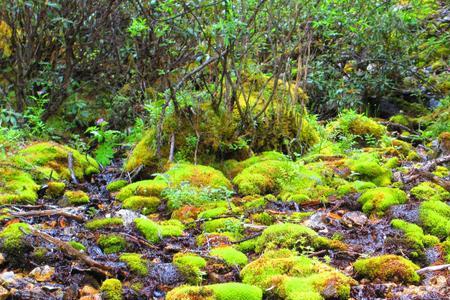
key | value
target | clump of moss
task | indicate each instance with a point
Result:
(12, 238)
(435, 218)
(212, 213)
(171, 228)
(17, 186)
(263, 218)
(116, 185)
(154, 232)
(111, 289)
(415, 235)
(355, 187)
(441, 171)
(112, 243)
(55, 189)
(223, 291)
(51, 158)
(430, 191)
(387, 268)
(196, 175)
(378, 200)
(289, 276)
(103, 223)
(146, 188)
(143, 154)
(367, 167)
(230, 255)
(232, 169)
(352, 123)
(135, 262)
(76, 197)
(222, 225)
(77, 245)
(140, 203)
(400, 119)
(39, 254)
(190, 265)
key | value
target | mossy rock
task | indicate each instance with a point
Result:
(212, 213)
(141, 203)
(75, 198)
(145, 188)
(17, 186)
(387, 268)
(230, 255)
(48, 158)
(222, 291)
(430, 191)
(154, 232)
(116, 185)
(378, 200)
(223, 225)
(101, 223)
(400, 119)
(350, 122)
(112, 289)
(12, 240)
(367, 167)
(112, 243)
(196, 175)
(191, 266)
(355, 187)
(135, 263)
(55, 189)
(143, 154)
(232, 168)
(286, 275)
(435, 218)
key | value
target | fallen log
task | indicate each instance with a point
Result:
(46, 213)
(433, 268)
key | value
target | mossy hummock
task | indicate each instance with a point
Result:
(17, 186)
(387, 268)
(230, 255)
(12, 238)
(112, 289)
(145, 188)
(135, 262)
(435, 218)
(376, 201)
(103, 223)
(430, 191)
(76, 198)
(112, 243)
(285, 275)
(55, 189)
(141, 203)
(154, 232)
(367, 167)
(116, 185)
(191, 266)
(223, 291)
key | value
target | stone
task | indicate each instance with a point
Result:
(4, 293)
(354, 218)
(44, 273)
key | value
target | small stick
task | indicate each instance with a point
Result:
(433, 268)
(247, 238)
(47, 212)
(70, 165)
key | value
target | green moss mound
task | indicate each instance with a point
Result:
(387, 268)
(196, 175)
(145, 188)
(140, 203)
(143, 154)
(77, 245)
(289, 276)
(355, 187)
(223, 291)
(154, 232)
(116, 185)
(230, 255)
(233, 167)
(222, 225)
(367, 167)
(435, 218)
(430, 191)
(190, 265)
(112, 243)
(16, 186)
(377, 201)
(350, 122)
(135, 262)
(76, 197)
(103, 223)
(12, 238)
(112, 289)
(55, 189)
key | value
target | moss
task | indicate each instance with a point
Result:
(146, 188)
(55, 189)
(400, 119)
(413, 156)
(232, 169)
(77, 245)
(111, 289)
(378, 200)
(135, 262)
(230, 255)
(367, 167)
(222, 225)
(190, 265)
(39, 254)
(349, 122)
(49, 158)
(223, 291)
(143, 154)
(402, 148)
(12, 238)
(415, 235)
(186, 213)
(288, 276)
(355, 187)
(141, 203)
(441, 171)
(116, 185)
(446, 247)
(435, 218)
(196, 175)
(171, 228)
(247, 246)
(263, 218)
(217, 238)
(212, 213)
(149, 229)
(387, 268)
(103, 223)
(76, 197)
(17, 186)
(430, 191)
(112, 243)
(392, 163)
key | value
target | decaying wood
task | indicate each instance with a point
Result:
(138, 240)
(247, 238)
(70, 251)
(433, 268)
(397, 126)
(46, 212)
(425, 171)
(70, 166)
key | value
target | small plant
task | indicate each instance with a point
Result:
(106, 141)
(34, 113)
(138, 27)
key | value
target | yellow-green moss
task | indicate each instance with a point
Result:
(350, 122)
(212, 213)
(435, 218)
(55, 189)
(367, 167)
(378, 200)
(171, 228)
(146, 188)
(76, 197)
(12, 238)
(230, 255)
(77, 245)
(288, 276)
(143, 154)
(51, 158)
(116, 185)
(232, 168)
(141, 203)
(17, 186)
(223, 291)
(222, 225)
(355, 187)
(196, 175)
(103, 223)
(153, 231)
(441, 171)
(111, 289)
(135, 262)
(430, 191)
(400, 119)
(387, 268)
(190, 265)
(112, 243)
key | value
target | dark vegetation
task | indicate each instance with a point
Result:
(260, 149)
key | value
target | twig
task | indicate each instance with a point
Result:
(139, 240)
(70, 165)
(399, 126)
(433, 268)
(247, 238)
(47, 212)
(70, 251)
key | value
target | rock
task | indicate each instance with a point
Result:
(316, 222)
(8, 277)
(354, 218)
(44, 273)
(89, 293)
(166, 273)
(128, 216)
(4, 293)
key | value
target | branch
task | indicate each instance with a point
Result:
(47, 212)
(433, 268)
